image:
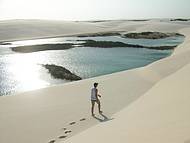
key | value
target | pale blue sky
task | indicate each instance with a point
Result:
(93, 9)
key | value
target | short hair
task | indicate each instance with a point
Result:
(95, 84)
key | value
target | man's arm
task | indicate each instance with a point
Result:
(98, 94)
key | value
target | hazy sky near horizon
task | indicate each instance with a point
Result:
(93, 9)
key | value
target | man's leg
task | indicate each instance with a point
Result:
(92, 109)
(99, 106)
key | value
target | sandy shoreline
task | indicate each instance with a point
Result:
(41, 115)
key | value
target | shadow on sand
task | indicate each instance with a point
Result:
(105, 118)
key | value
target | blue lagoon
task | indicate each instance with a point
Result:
(21, 72)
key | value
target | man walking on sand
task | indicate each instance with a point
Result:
(94, 98)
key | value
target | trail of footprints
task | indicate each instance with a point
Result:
(66, 131)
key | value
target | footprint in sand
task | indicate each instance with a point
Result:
(52, 141)
(82, 119)
(72, 123)
(62, 137)
(64, 129)
(66, 132)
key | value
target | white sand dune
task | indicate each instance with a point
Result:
(160, 115)
(32, 29)
(153, 99)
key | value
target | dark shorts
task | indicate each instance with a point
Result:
(97, 101)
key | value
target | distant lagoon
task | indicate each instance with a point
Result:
(21, 72)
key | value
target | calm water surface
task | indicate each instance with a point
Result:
(23, 72)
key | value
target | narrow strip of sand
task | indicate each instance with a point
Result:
(46, 114)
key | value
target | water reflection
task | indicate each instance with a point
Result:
(24, 70)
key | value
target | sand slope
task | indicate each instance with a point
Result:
(161, 115)
(31, 29)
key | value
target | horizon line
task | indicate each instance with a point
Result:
(114, 19)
